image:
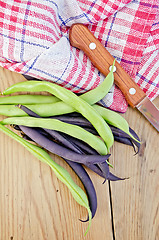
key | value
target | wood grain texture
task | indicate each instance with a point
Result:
(136, 201)
(34, 204)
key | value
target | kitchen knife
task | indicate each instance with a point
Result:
(81, 38)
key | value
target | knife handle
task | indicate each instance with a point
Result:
(81, 38)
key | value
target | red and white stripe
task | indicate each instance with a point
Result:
(34, 41)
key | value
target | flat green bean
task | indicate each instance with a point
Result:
(114, 119)
(44, 110)
(96, 94)
(59, 108)
(54, 124)
(71, 99)
(28, 99)
(91, 97)
(12, 111)
(61, 173)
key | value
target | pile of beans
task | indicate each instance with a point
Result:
(76, 128)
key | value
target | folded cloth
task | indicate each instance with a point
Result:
(34, 41)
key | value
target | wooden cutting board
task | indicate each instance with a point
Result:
(35, 205)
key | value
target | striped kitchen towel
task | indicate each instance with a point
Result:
(34, 41)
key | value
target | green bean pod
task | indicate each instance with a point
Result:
(61, 173)
(91, 97)
(71, 99)
(44, 110)
(59, 108)
(114, 119)
(28, 99)
(96, 94)
(54, 124)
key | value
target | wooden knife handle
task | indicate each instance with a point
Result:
(80, 37)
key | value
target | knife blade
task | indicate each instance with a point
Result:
(81, 38)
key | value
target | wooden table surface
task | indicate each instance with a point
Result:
(35, 205)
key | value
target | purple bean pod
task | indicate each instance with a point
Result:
(119, 135)
(80, 121)
(30, 78)
(102, 169)
(75, 144)
(55, 134)
(84, 148)
(59, 150)
(88, 185)
(112, 177)
(95, 169)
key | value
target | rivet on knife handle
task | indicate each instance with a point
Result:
(82, 38)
